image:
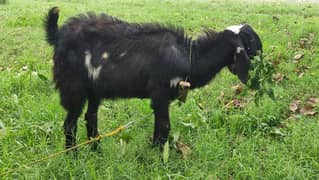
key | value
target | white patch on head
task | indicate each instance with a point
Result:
(105, 55)
(174, 82)
(123, 54)
(235, 28)
(93, 72)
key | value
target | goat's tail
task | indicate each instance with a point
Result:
(51, 25)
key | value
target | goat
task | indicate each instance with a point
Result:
(99, 56)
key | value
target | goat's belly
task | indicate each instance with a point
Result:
(127, 94)
(121, 91)
(121, 84)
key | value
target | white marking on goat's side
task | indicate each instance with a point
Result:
(239, 49)
(235, 28)
(96, 73)
(123, 54)
(105, 55)
(175, 50)
(174, 82)
(93, 72)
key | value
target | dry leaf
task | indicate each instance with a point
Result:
(313, 101)
(294, 105)
(236, 103)
(298, 56)
(275, 62)
(237, 89)
(184, 149)
(308, 110)
(278, 77)
(301, 74)
(304, 41)
(300, 70)
(305, 67)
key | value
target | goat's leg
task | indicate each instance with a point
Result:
(91, 119)
(70, 126)
(160, 106)
(73, 102)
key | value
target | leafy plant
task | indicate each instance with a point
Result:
(261, 77)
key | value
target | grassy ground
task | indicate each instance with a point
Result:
(268, 141)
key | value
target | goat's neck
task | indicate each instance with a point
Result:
(208, 58)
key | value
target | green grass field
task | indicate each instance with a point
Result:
(229, 136)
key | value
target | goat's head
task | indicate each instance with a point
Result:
(247, 45)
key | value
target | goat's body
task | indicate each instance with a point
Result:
(100, 57)
(138, 57)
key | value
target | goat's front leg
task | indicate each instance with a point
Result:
(160, 106)
(91, 120)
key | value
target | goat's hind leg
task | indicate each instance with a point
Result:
(73, 103)
(91, 119)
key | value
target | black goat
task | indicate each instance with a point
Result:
(98, 56)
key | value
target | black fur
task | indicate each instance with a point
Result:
(51, 25)
(141, 61)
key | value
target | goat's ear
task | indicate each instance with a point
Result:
(241, 64)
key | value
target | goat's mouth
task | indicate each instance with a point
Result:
(243, 76)
(232, 68)
(244, 79)
(243, 64)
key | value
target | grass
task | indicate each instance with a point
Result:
(251, 142)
